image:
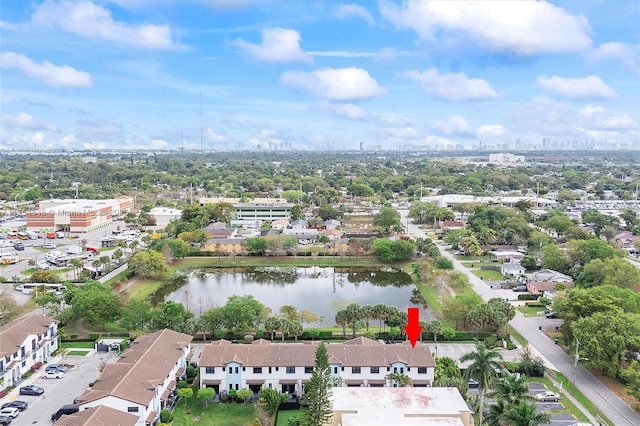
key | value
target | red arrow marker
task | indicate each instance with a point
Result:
(413, 327)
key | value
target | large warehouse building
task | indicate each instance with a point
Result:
(76, 216)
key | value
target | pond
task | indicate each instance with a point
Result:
(321, 290)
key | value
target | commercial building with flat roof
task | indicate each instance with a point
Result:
(76, 215)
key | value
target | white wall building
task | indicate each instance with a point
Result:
(23, 343)
(286, 367)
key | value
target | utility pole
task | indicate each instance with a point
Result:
(575, 363)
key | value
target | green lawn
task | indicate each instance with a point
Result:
(75, 345)
(488, 275)
(430, 294)
(215, 414)
(284, 416)
(530, 311)
(77, 353)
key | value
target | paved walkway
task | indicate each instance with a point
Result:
(612, 406)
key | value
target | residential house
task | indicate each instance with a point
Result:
(512, 269)
(549, 275)
(332, 234)
(299, 224)
(141, 381)
(99, 416)
(232, 246)
(286, 367)
(279, 224)
(540, 288)
(25, 342)
(399, 407)
(450, 225)
(331, 224)
(506, 255)
(626, 240)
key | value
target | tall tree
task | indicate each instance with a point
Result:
(387, 218)
(484, 363)
(317, 398)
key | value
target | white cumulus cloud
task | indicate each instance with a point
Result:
(354, 11)
(348, 110)
(86, 19)
(578, 88)
(23, 120)
(491, 130)
(278, 45)
(46, 72)
(452, 86)
(524, 27)
(628, 53)
(158, 144)
(338, 84)
(454, 125)
(212, 136)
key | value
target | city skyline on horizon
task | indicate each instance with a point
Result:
(217, 75)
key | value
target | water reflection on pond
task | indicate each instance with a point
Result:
(321, 290)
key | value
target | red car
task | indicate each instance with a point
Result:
(93, 250)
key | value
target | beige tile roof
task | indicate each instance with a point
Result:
(359, 352)
(99, 416)
(13, 334)
(144, 365)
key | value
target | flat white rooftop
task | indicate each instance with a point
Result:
(399, 406)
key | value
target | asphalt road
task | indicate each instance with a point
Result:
(616, 410)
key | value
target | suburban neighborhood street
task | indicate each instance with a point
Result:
(616, 410)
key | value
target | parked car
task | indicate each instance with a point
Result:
(520, 288)
(548, 396)
(12, 412)
(5, 420)
(53, 374)
(20, 405)
(58, 367)
(473, 384)
(31, 390)
(63, 411)
(49, 245)
(551, 315)
(43, 265)
(19, 247)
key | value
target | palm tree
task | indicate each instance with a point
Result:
(401, 380)
(511, 390)
(77, 266)
(484, 363)
(378, 312)
(342, 319)
(525, 414)
(367, 313)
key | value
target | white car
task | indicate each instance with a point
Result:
(43, 265)
(52, 374)
(10, 412)
(548, 396)
(49, 245)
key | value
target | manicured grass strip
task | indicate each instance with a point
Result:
(488, 275)
(215, 414)
(77, 353)
(143, 288)
(530, 311)
(430, 295)
(284, 416)
(566, 384)
(76, 345)
(120, 277)
(519, 338)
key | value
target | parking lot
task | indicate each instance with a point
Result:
(33, 249)
(83, 370)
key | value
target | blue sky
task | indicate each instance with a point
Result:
(294, 74)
